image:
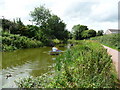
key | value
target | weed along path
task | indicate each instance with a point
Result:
(115, 57)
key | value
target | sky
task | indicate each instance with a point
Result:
(96, 14)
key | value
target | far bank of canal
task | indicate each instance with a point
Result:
(27, 62)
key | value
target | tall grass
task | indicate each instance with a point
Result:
(111, 40)
(86, 65)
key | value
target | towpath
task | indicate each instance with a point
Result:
(115, 57)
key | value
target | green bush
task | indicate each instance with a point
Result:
(86, 65)
(111, 40)
(56, 41)
(11, 42)
(8, 48)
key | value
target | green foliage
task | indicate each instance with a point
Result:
(56, 41)
(70, 35)
(111, 40)
(77, 31)
(86, 65)
(48, 27)
(31, 31)
(88, 33)
(11, 42)
(55, 27)
(6, 24)
(38, 82)
(15, 27)
(51, 25)
(8, 48)
(100, 33)
(40, 15)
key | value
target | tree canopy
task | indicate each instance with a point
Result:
(88, 33)
(49, 23)
(100, 33)
(40, 15)
(77, 31)
(46, 26)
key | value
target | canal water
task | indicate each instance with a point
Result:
(23, 63)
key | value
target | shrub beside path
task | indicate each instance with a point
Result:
(115, 57)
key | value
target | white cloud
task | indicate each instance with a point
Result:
(96, 14)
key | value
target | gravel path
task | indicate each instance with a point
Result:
(115, 57)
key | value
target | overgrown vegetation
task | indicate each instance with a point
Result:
(111, 40)
(12, 42)
(86, 65)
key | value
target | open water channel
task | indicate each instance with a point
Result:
(23, 63)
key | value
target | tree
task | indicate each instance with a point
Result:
(6, 24)
(31, 31)
(56, 28)
(40, 15)
(77, 31)
(17, 27)
(70, 36)
(14, 27)
(100, 33)
(88, 33)
(51, 25)
(92, 33)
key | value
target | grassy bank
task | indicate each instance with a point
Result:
(86, 65)
(111, 40)
(12, 42)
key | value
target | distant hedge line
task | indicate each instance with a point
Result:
(86, 65)
(111, 40)
(11, 42)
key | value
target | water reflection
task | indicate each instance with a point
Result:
(27, 62)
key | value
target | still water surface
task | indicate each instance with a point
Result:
(27, 62)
